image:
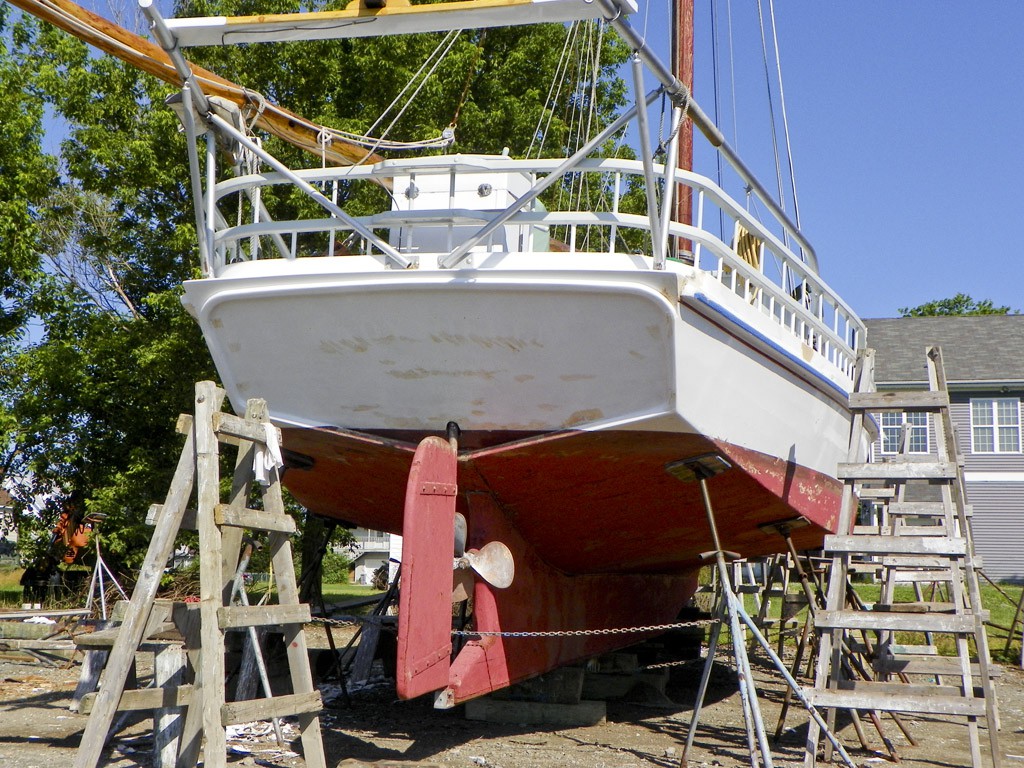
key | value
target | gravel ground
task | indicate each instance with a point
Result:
(38, 731)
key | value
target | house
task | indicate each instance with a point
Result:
(984, 364)
(369, 551)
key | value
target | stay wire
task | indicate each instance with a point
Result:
(785, 118)
(771, 108)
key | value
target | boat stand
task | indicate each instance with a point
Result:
(701, 469)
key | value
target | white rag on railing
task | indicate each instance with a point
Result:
(268, 457)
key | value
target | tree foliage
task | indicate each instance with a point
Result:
(97, 355)
(961, 304)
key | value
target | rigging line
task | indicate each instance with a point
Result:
(595, 75)
(732, 76)
(553, 94)
(771, 108)
(415, 93)
(584, 109)
(785, 118)
(448, 38)
(563, 78)
(477, 53)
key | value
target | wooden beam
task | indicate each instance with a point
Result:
(395, 18)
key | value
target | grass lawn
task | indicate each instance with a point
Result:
(333, 593)
(340, 592)
(10, 587)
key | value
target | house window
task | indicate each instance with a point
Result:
(995, 425)
(892, 429)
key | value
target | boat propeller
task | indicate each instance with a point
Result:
(493, 562)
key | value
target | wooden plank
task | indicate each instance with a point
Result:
(188, 519)
(920, 576)
(253, 519)
(923, 665)
(876, 493)
(897, 470)
(168, 722)
(919, 400)
(927, 703)
(32, 613)
(227, 425)
(105, 639)
(920, 561)
(912, 607)
(918, 509)
(37, 644)
(899, 530)
(211, 583)
(369, 636)
(236, 712)
(897, 545)
(145, 698)
(239, 616)
(896, 622)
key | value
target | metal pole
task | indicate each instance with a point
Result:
(747, 691)
(669, 190)
(705, 677)
(211, 202)
(646, 156)
(167, 40)
(189, 121)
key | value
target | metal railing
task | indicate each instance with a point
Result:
(778, 282)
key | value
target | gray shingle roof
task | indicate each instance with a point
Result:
(977, 348)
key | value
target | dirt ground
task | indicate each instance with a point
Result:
(38, 731)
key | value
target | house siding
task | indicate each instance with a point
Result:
(998, 527)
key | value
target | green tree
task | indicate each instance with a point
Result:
(961, 304)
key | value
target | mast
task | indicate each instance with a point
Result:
(682, 68)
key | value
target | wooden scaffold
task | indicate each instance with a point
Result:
(200, 707)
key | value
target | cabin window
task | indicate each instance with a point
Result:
(892, 429)
(995, 425)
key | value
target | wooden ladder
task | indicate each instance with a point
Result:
(914, 541)
(206, 711)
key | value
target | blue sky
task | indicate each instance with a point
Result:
(907, 125)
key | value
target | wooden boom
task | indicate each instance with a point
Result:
(150, 58)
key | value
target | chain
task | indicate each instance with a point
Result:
(355, 620)
(588, 632)
(351, 622)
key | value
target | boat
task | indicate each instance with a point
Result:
(508, 384)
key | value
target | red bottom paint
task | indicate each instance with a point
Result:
(602, 536)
